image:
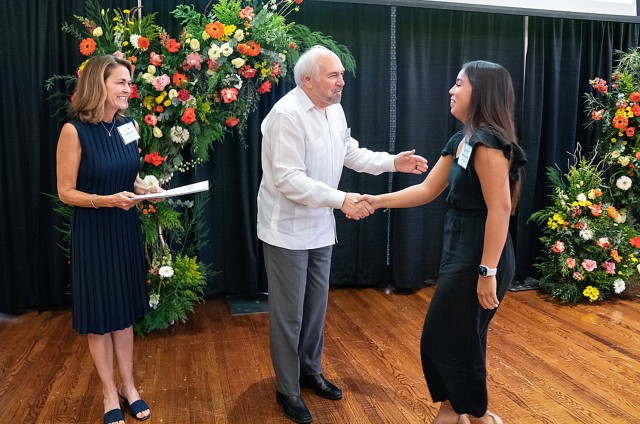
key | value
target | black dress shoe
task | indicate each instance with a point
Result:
(294, 408)
(321, 386)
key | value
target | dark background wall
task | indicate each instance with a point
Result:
(407, 61)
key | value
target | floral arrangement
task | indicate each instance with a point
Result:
(189, 91)
(614, 106)
(591, 248)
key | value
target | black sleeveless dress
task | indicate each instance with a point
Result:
(108, 270)
(454, 337)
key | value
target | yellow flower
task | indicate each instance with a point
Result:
(229, 30)
(591, 293)
(167, 103)
(148, 102)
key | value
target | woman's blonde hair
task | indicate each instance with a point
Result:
(91, 90)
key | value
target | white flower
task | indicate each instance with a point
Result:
(173, 93)
(283, 57)
(581, 198)
(214, 52)
(151, 181)
(227, 50)
(151, 69)
(134, 40)
(154, 300)
(165, 271)
(618, 286)
(157, 132)
(621, 218)
(205, 36)
(238, 62)
(615, 154)
(586, 234)
(194, 44)
(623, 183)
(179, 134)
(238, 35)
(624, 160)
(97, 32)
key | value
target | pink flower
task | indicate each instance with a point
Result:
(596, 210)
(159, 83)
(119, 54)
(193, 60)
(155, 59)
(571, 263)
(610, 267)
(151, 120)
(246, 13)
(558, 247)
(589, 265)
(603, 242)
(231, 121)
(596, 115)
(229, 94)
(577, 276)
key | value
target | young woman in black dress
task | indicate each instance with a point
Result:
(481, 166)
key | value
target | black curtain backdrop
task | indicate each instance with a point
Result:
(431, 46)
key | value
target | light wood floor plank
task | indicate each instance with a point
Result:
(547, 363)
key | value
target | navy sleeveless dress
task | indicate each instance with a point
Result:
(454, 336)
(108, 270)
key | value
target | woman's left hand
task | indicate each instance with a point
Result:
(487, 296)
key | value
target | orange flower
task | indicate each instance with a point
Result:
(265, 87)
(143, 43)
(616, 257)
(133, 59)
(254, 48)
(612, 212)
(243, 48)
(178, 79)
(188, 116)
(214, 29)
(634, 97)
(87, 46)
(153, 158)
(620, 122)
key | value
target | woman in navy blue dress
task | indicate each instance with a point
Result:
(97, 173)
(481, 166)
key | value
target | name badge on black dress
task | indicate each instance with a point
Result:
(128, 132)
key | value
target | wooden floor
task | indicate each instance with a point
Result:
(547, 363)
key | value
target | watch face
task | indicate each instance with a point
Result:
(482, 270)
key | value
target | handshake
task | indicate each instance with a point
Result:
(357, 206)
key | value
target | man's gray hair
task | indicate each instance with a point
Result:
(307, 64)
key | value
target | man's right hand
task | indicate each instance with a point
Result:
(354, 207)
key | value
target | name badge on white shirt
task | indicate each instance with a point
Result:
(128, 132)
(465, 154)
(347, 136)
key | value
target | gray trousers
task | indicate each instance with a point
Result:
(298, 282)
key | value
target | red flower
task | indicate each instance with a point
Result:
(297, 1)
(635, 242)
(231, 121)
(153, 158)
(87, 46)
(229, 94)
(634, 97)
(265, 87)
(635, 109)
(151, 120)
(188, 116)
(247, 71)
(135, 94)
(178, 79)
(630, 131)
(183, 95)
(172, 45)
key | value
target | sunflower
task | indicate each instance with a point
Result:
(87, 46)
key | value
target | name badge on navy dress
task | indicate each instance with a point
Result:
(128, 132)
(465, 154)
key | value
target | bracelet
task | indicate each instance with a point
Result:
(93, 204)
